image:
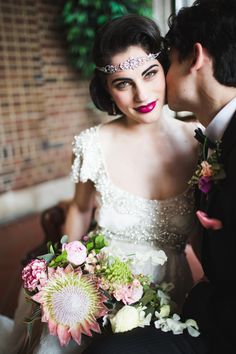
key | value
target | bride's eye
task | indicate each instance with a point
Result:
(122, 85)
(150, 74)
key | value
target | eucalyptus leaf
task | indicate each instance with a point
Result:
(47, 257)
(64, 239)
(51, 249)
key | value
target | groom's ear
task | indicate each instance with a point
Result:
(199, 57)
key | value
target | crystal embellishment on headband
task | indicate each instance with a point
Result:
(128, 64)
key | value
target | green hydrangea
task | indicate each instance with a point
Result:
(119, 272)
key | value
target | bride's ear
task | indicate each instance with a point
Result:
(198, 58)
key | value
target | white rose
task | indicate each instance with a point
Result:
(129, 317)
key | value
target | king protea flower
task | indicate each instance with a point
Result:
(70, 304)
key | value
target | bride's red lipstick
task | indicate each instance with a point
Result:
(146, 109)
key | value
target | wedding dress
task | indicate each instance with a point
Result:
(134, 227)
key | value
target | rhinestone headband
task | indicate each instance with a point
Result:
(130, 63)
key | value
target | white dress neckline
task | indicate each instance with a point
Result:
(124, 191)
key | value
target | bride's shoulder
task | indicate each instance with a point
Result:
(99, 132)
(90, 131)
(86, 137)
(110, 129)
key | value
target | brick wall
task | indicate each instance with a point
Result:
(43, 102)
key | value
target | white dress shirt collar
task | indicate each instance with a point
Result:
(219, 123)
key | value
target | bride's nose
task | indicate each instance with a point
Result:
(140, 93)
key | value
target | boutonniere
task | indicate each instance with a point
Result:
(209, 169)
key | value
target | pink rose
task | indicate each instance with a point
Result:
(34, 274)
(76, 252)
(128, 293)
(206, 169)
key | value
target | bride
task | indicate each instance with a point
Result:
(132, 173)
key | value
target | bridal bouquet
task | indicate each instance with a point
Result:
(79, 286)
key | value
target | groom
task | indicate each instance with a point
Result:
(202, 79)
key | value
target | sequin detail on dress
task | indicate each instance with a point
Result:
(126, 217)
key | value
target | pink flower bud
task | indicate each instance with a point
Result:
(205, 184)
(206, 169)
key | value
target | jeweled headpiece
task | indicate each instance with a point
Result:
(128, 64)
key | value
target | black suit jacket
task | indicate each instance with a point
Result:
(214, 304)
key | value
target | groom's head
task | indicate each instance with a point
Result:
(205, 33)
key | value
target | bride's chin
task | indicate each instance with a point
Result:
(149, 118)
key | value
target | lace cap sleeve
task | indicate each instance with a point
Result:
(87, 158)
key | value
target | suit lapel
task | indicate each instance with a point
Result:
(229, 139)
(228, 142)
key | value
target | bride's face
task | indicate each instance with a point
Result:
(140, 92)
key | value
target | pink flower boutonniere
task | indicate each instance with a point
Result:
(209, 169)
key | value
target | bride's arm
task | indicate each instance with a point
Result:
(80, 211)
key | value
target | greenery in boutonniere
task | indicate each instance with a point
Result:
(209, 169)
(82, 18)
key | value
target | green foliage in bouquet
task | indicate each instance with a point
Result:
(82, 18)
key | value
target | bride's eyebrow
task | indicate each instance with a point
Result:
(121, 79)
(150, 67)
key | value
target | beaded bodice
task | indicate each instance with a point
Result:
(123, 216)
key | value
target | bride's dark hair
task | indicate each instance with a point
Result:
(115, 37)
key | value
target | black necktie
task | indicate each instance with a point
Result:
(203, 139)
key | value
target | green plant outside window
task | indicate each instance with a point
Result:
(82, 18)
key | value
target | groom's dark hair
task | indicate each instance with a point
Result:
(213, 24)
